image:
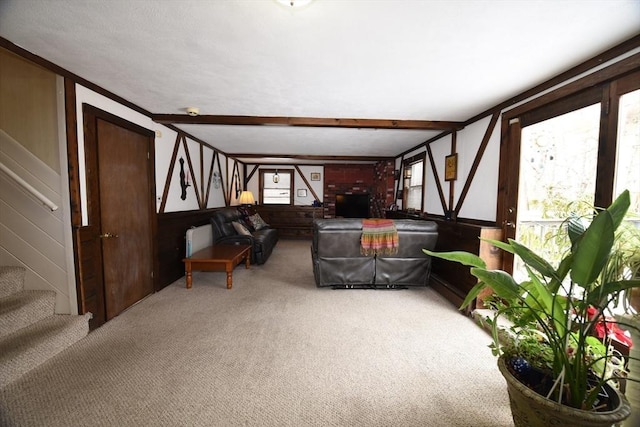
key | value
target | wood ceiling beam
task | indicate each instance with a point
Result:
(306, 122)
(307, 157)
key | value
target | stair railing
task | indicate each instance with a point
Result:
(38, 195)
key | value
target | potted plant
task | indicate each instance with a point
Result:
(553, 364)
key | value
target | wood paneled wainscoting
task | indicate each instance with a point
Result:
(453, 280)
(292, 222)
(172, 228)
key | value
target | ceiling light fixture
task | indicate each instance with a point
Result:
(294, 3)
(193, 111)
(276, 178)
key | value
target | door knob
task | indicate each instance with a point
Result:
(108, 235)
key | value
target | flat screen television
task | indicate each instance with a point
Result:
(352, 205)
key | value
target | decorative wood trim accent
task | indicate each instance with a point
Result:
(313, 193)
(235, 176)
(400, 179)
(209, 177)
(71, 124)
(452, 182)
(193, 176)
(371, 159)
(222, 178)
(202, 183)
(306, 122)
(167, 182)
(476, 161)
(443, 201)
(250, 175)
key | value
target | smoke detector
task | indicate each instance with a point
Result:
(193, 111)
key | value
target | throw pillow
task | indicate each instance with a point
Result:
(241, 229)
(258, 222)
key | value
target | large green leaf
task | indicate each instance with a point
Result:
(499, 244)
(599, 295)
(619, 207)
(532, 259)
(575, 228)
(501, 282)
(464, 258)
(592, 250)
(473, 293)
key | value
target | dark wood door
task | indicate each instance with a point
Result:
(121, 196)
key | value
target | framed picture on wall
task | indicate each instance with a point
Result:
(302, 192)
(451, 167)
(315, 176)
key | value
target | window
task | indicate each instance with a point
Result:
(276, 187)
(627, 170)
(413, 182)
(565, 156)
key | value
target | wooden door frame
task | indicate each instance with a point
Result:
(90, 116)
(598, 86)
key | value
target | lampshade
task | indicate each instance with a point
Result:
(246, 198)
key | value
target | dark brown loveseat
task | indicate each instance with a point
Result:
(262, 240)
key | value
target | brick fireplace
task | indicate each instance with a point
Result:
(376, 180)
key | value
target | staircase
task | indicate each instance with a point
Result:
(30, 332)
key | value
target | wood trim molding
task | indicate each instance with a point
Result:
(307, 183)
(308, 157)
(71, 124)
(167, 182)
(476, 161)
(432, 162)
(306, 122)
(193, 177)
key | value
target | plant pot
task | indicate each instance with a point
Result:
(530, 409)
(632, 391)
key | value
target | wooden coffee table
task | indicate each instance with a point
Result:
(217, 258)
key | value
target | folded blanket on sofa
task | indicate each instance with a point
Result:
(379, 236)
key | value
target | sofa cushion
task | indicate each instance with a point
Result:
(240, 228)
(257, 222)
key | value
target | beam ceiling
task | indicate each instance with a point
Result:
(306, 122)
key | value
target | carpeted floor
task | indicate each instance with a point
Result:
(273, 351)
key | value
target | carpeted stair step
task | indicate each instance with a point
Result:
(11, 280)
(29, 347)
(23, 308)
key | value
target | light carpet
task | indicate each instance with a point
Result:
(273, 351)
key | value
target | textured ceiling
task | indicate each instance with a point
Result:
(422, 60)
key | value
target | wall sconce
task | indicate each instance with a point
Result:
(276, 178)
(246, 198)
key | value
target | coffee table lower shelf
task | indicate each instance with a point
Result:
(217, 258)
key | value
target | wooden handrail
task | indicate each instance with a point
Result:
(38, 195)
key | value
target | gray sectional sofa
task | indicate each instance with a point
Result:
(338, 262)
